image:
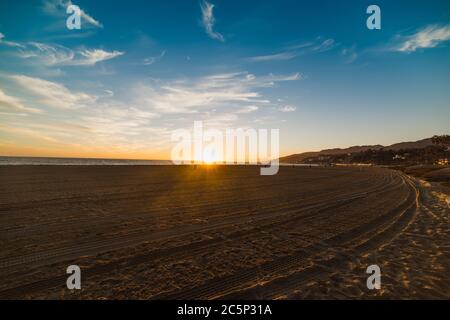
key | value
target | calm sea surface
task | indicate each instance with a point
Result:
(77, 161)
(36, 161)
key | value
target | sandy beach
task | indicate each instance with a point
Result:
(214, 232)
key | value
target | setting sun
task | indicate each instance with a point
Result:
(209, 157)
(241, 151)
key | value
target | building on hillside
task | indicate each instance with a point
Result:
(398, 157)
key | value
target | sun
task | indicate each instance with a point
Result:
(209, 158)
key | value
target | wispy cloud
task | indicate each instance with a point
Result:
(9, 43)
(287, 108)
(53, 94)
(349, 54)
(429, 37)
(208, 20)
(293, 51)
(44, 54)
(151, 60)
(57, 55)
(323, 46)
(59, 7)
(29, 133)
(248, 109)
(87, 120)
(275, 57)
(218, 91)
(91, 57)
(143, 119)
(10, 104)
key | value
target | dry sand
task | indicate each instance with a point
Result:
(166, 232)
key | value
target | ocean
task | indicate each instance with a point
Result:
(53, 161)
(78, 161)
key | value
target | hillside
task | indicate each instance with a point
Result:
(318, 155)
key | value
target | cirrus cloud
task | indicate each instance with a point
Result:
(208, 20)
(217, 91)
(287, 108)
(429, 37)
(10, 104)
(9, 43)
(58, 8)
(53, 94)
(58, 55)
(317, 46)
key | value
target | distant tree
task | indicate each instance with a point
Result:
(441, 140)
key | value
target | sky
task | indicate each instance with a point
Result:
(138, 70)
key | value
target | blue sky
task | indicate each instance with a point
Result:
(137, 70)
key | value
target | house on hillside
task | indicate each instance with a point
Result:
(398, 157)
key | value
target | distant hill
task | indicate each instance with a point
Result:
(351, 149)
(298, 158)
(410, 145)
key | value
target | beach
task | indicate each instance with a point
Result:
(215, 232)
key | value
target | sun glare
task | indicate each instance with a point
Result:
(209, 158)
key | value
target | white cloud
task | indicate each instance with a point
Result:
(151, 60)
(117, 119)
(349, 54)
(428, 37)
(143, 119)
(9, 43)
(87, 121)
(294, 51)
(91, 57)
(208, 20)
(248, 109)
(54, 94)
(57, 55)
(324, 45)
(59, 7)
(30, 133)
(11, 104)
(48, 55)
(109, 93)
(292, 77)
(287, 108)
(274, 57)
(218, 91)
(220, 121)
